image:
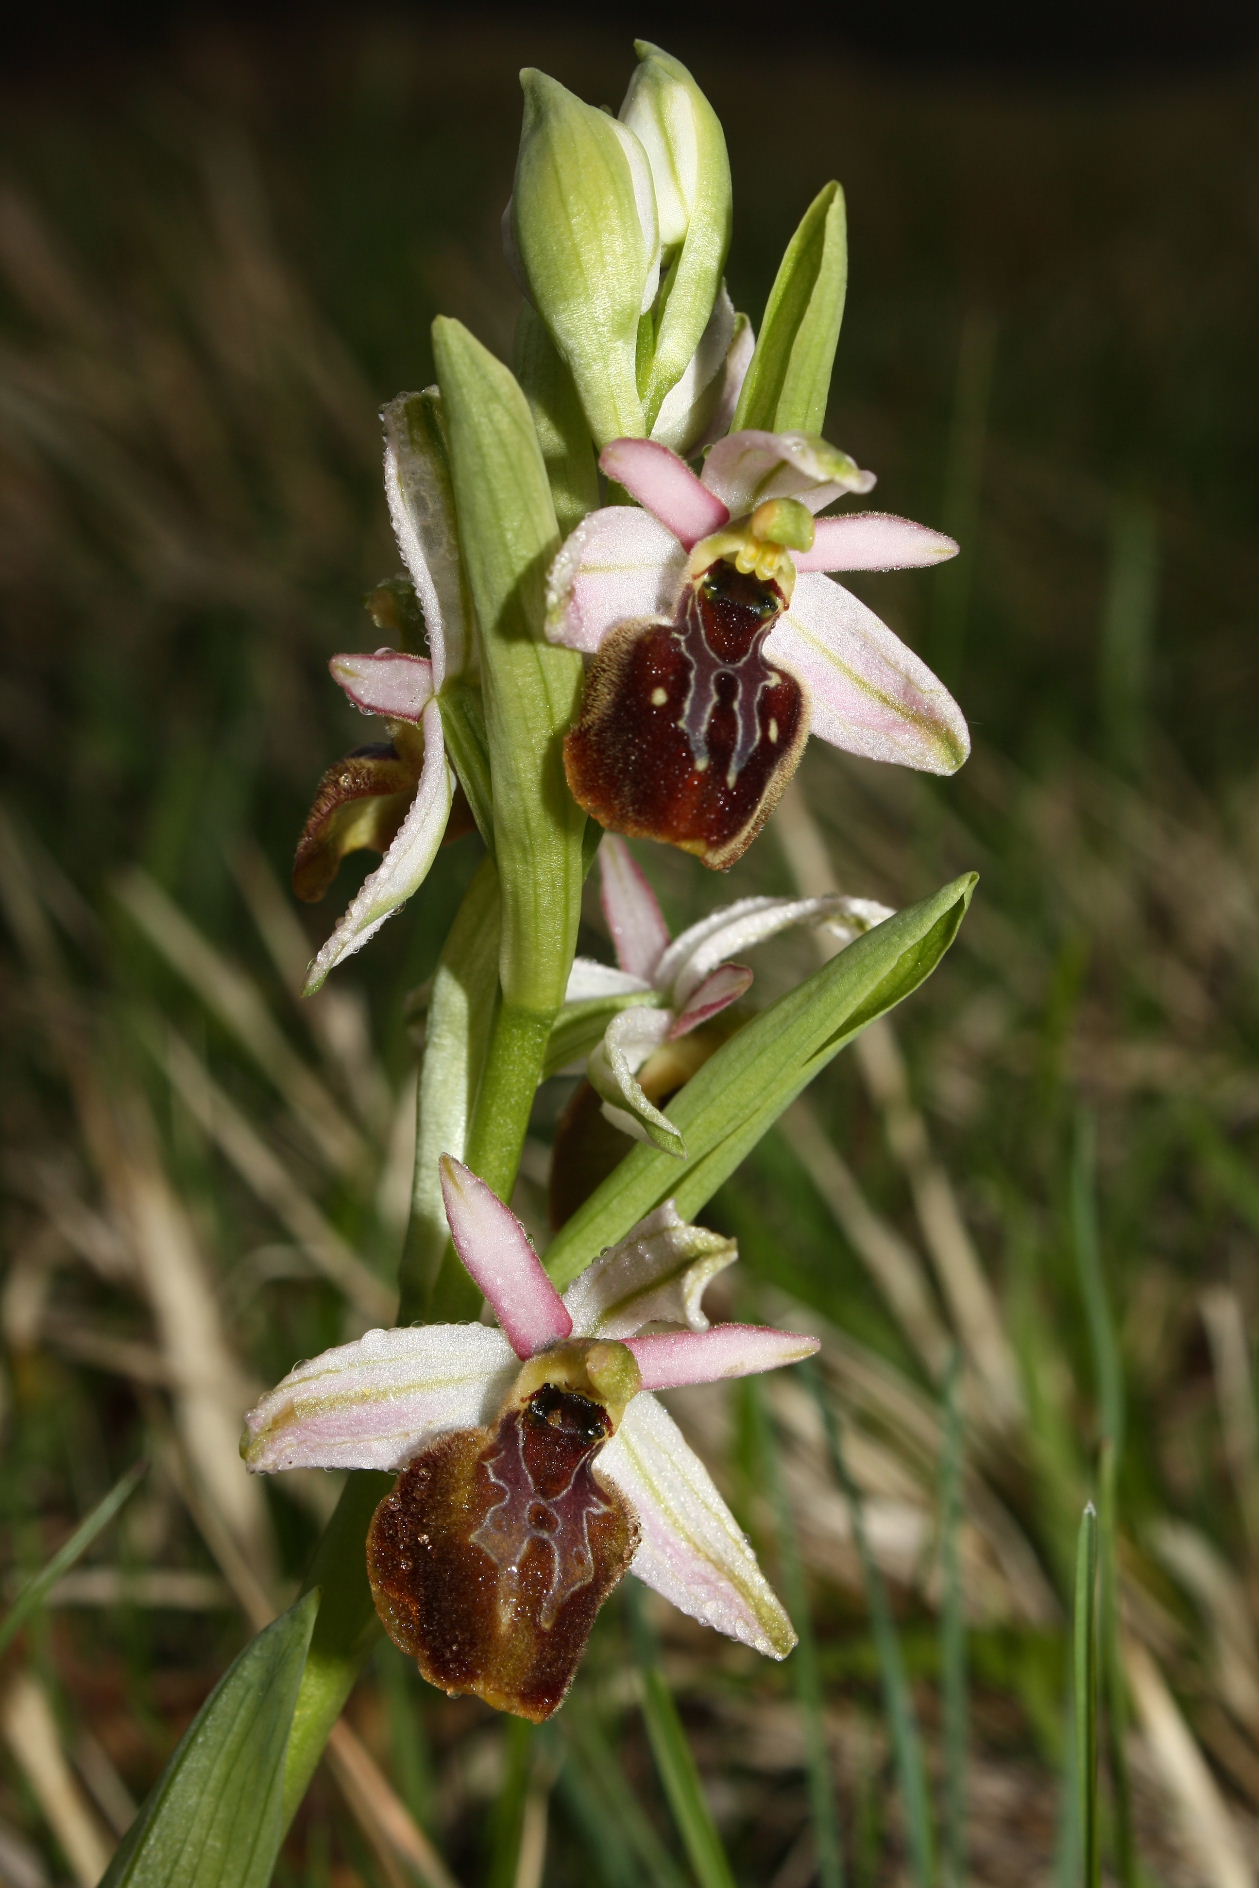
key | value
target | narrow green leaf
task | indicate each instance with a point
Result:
(1113, 1676)
(36, 1590)
(520, 1757)
(789, 381)
(596, 1789)
(675, 1764)
(1107, 1366)
(1086, 1688)
(508, 532)
(737, 1096)
(911, 1773)
(215, 1817)
(953, 1675)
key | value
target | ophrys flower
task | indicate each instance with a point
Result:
(536, 1465)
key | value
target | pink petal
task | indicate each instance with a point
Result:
(495, 1248)
(873, 540)
(406, 864)
(388, 683)
(869, 693)
(692, 1549)
(714, 993)
(373, 1403)
(670, 1358)
(620, 563)
(635, 920)
(666, 486)
(745, 469)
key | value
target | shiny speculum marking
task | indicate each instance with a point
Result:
(496, 1548)
(688, 733)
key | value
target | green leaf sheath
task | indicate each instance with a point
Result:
(216, 1817)
(509, 536)
(740, 1092)
(789, 381)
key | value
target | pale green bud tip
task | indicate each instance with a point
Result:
(784, 521)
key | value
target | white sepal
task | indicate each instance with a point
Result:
(376, 1402)
(692, 1550)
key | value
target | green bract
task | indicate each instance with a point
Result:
(509, 535)
(583, 215)
(738, 1095)
(790, 377)
(686, 149)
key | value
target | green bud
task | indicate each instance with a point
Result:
(583, 217)
(686, 149)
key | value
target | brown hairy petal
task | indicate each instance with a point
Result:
(359, 806)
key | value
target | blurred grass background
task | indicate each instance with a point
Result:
(1024, 1218)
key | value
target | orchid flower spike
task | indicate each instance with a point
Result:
(683, 981)
(719, 644)
(535, 1465)
(395, 796)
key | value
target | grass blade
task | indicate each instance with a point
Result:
(40, 1585)
(902, 1718)
(674, 1762)
(805, 1671)
(1086, 1688)
(953, 1659)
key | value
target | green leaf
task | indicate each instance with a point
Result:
(215, 1817)
(509, 536)
(741, 1091)
(32, 1596)
(789, 381)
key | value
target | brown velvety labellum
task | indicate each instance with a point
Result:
(495, 1550)
(688, 733)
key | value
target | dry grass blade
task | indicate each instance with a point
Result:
(224, 1122)
(969, 1296)
(240, 1007)
(34, 1737)
(1208, 1828)
(890, 1260)
(380, 1811)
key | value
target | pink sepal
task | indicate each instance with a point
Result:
(635, 920)
(665, 486)
(495, 1249)
(386, 683)
(873, 540)
(670, 1358)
